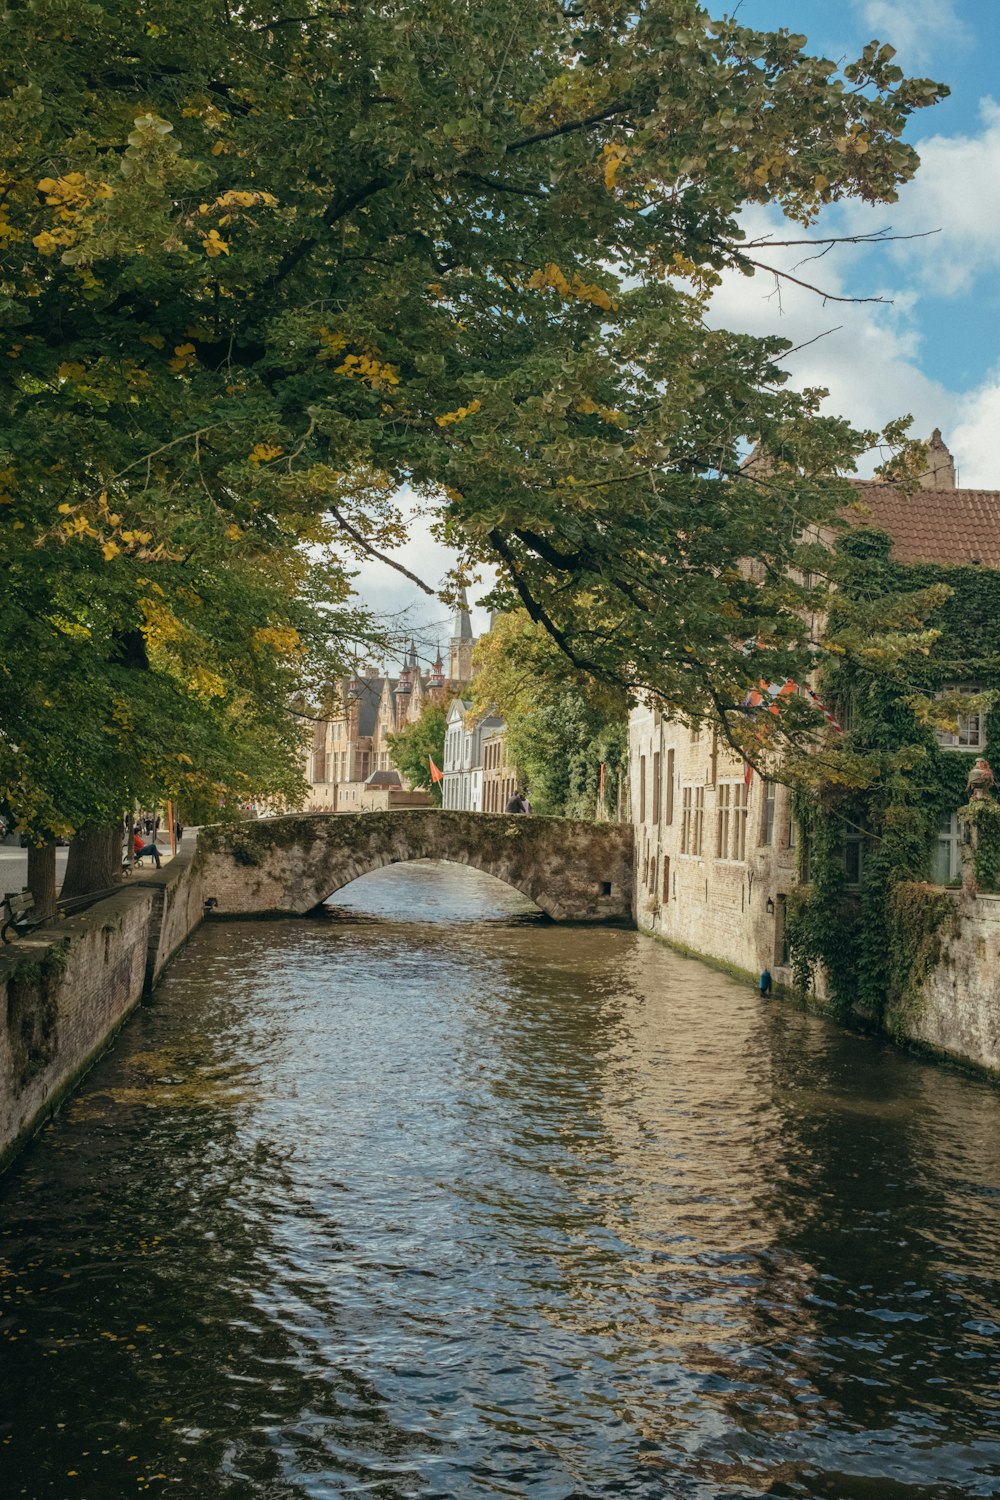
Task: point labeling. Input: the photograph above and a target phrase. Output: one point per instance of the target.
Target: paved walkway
(14, 866)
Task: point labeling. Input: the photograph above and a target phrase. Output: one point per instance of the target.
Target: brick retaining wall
(66, 988)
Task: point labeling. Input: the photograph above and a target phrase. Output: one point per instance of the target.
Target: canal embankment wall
(957, 1010)
(67, 987)
(954, 1012)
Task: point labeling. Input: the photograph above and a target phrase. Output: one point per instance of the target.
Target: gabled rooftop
(947, 526)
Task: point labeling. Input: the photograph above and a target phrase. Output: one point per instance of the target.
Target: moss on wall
(32, 1014)
(878, 939)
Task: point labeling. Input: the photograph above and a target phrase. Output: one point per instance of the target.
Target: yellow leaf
(184, 760)
(110, 550)
(262, 453)
(214, 244)
(218, 148)
(46, 243)
(614, 155)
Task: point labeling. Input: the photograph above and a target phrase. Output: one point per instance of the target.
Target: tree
(413, 748)
(567, 733)
(259, 269)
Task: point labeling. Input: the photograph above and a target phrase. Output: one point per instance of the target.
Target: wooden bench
(16, 914)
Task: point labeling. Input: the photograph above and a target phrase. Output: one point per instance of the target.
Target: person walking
(519, 802)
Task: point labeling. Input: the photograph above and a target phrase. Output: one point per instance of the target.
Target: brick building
(717, 848)
(352, 745)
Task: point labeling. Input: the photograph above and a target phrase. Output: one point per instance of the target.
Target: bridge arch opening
(431, 891)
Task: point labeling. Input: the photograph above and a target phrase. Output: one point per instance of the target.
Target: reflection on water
(464, 1208)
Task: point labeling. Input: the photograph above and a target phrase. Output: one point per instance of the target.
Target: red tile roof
(934, 526)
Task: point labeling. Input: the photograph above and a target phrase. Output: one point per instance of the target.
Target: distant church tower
(940, 471)
(462, 642)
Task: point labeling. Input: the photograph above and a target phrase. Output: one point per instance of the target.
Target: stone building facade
(499, 776)
(353, 746)
(716, 845)
(464, 774)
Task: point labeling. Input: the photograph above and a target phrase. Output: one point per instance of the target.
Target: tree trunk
(95, 860)
(42, 878)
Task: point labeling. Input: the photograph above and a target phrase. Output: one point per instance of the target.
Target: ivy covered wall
(867, 910)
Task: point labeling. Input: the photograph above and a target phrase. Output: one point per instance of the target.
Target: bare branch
(366, 546)
(875, 237)
(815, 340)
(807, 285)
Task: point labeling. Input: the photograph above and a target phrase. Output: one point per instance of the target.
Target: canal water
(432, 1199)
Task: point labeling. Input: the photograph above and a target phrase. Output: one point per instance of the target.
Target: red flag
(747, 773)
(436, 774)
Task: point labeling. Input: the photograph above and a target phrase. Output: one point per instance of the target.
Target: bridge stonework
(573, 871)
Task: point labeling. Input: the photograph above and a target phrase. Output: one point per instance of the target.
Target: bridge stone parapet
(286, 866)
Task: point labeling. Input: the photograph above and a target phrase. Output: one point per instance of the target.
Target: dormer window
(971, 731)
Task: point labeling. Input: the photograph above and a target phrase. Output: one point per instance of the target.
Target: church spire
(462, 641)
(462, 627)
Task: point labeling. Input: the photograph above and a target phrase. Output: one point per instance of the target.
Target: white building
(462, 788)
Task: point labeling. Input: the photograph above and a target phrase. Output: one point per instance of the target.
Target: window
(741, 808)
(666, 877)
(687, 798)
(843, 712)
(854, 856)
(969, 735)
(652, 874)
(669, 812)
(731, 827)
(722, 822)
(780, 934)
(767, 816)
(642, 789)
(656, 786)
(947, 866)
(698, 821)
(793, 832)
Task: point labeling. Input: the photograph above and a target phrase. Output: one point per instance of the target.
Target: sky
(931, 347)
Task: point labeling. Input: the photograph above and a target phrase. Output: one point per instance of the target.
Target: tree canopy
(567, 733)
(413, 748)
(261, 265)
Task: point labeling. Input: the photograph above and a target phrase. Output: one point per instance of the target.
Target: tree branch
(569, 127)
(366, 546)
(338, 208)
(807, 285)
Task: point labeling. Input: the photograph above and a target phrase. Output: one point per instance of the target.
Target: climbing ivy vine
(878, 937)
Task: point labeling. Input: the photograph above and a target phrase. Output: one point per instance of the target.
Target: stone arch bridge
(287, 866)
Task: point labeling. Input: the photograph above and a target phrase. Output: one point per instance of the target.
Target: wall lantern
(769, 908)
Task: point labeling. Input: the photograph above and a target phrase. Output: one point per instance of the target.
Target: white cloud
(956, 194)
(916, 28)
(975, 441)
(865, 354)
(406, 609)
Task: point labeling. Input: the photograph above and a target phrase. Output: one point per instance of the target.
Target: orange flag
(436, 774)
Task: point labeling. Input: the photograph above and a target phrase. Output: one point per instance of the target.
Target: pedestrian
(764, 984)
(148, 851)
(138, 844)
(178, 829)
(519, 802)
